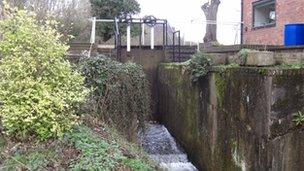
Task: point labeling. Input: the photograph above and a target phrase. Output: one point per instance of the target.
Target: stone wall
(149, 60)
(237, 119)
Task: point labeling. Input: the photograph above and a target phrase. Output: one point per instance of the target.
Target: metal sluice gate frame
(150, 21)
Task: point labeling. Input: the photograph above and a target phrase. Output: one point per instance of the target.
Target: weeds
(298, 118)
(199, 66)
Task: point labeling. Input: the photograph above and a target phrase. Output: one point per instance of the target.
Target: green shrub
(199, 65)
(39, 90)
(120, 94)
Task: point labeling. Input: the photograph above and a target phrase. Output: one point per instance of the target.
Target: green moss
(224, 68)
(173, 65)
(293, 66)
(220, 84)
(168, 66)
(263, 71)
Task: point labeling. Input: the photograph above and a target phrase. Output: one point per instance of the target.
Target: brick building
(264, 20)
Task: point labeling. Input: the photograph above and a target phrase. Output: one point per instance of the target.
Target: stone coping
(237, 48)
(265, 71)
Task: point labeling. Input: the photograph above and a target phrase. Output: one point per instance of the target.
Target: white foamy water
(162, 148)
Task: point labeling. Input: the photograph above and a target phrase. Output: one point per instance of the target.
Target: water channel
(163, 148)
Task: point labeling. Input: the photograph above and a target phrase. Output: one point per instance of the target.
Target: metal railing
(178, 46)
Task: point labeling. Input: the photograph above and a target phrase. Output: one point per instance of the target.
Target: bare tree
(210, 10)
(17, 3)
(1, 9)
(72, 15)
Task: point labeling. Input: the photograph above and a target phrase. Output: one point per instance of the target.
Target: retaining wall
(235, 118)
(149, 60)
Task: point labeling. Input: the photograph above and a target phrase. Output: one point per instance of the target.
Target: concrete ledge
(289, 58)
(260, 58)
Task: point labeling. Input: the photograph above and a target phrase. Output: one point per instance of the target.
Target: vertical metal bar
(166, 33)
(93, 31)
(152, 37)
(128, 37)
(164, 37)
(173, 47)
(179, 46)
(140, 36)
(143, 34)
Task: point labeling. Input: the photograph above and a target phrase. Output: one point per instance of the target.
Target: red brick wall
(287, 11)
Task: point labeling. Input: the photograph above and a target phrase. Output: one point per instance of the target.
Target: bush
(120, 94)
(199, 65)
(39, 91)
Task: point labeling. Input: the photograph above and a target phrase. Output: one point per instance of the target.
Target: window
(264, 13)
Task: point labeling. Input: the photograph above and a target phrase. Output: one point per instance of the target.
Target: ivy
(120, 92)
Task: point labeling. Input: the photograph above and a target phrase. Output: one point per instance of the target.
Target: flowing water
(162, 148)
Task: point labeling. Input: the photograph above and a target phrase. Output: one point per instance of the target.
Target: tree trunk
(210, 9)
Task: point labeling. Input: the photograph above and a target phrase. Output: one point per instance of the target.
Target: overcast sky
(187, 16)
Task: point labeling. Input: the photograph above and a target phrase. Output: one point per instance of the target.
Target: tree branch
(215, 2)
(205, 6)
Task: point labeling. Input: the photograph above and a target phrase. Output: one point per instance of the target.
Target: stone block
(219, 58)
(290, 58)
(260, 58)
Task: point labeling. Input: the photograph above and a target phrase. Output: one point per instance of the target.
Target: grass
(85, 148)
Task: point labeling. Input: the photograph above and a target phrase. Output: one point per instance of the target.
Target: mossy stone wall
(236, 119)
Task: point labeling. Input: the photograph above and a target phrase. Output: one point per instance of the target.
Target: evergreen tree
(109, 9)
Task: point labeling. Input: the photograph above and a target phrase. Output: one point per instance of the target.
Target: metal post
(143, 34)
(164, 36)
(93, 31)
(179, 46)
(140, 37)
(174, 47)
(152, 37)
(128, 37)
(166, 32)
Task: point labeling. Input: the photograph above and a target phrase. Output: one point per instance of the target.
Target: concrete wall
(149, 59)
(235, 119)
(287, 12)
